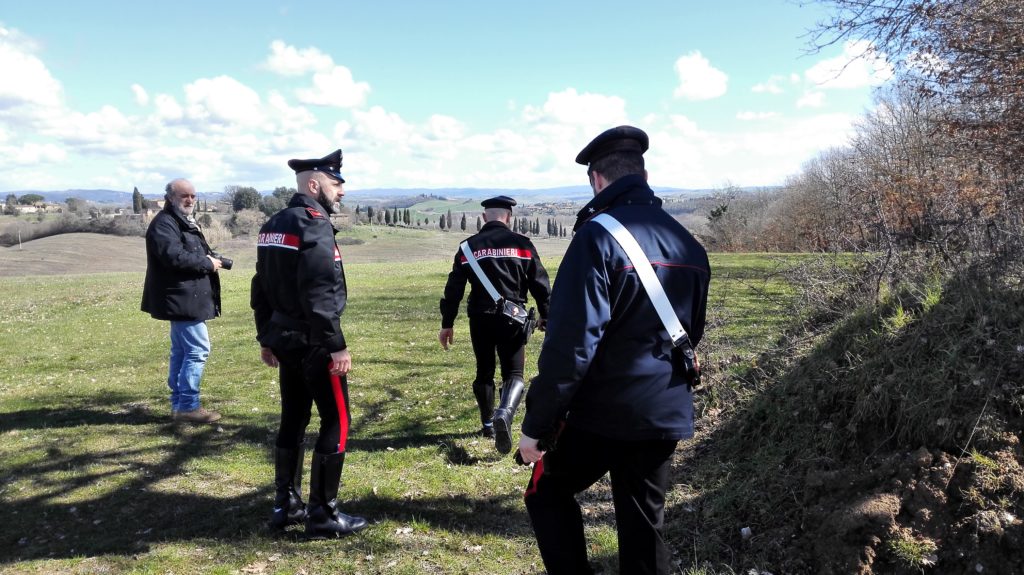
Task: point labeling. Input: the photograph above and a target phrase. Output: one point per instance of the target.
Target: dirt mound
(889, 443)
(78, 253)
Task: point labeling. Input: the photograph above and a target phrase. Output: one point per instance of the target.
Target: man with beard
(298, 295)
(182, 287)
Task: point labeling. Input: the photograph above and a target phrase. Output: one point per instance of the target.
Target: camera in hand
(225, 263)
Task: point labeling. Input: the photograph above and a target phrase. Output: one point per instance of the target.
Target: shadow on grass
(112, 409)
(110, 478)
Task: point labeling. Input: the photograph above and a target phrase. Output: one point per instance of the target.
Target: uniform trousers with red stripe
(639, 473)
(305, 380)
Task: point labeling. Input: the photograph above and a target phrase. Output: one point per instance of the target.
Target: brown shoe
(200, 415)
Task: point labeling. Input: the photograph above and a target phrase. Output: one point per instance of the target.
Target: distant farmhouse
(38, 208)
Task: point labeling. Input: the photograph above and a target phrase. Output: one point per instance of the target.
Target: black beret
(499, 202)
(618, 139)
(329, 164)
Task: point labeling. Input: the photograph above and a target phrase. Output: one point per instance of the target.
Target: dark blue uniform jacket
(605, 365)
(298, 292)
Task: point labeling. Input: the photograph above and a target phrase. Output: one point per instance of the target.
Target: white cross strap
(642, 265)
(479, 272)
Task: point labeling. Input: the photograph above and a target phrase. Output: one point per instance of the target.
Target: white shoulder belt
(676, 333)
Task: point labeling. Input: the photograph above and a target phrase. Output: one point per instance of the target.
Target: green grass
(913, 552)
(442, 206)
(95, 477)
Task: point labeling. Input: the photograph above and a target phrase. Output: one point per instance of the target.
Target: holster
(515, 313)
(684, 362)
(530, 325)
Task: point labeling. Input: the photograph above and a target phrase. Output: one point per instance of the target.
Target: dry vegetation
(883, 434)
(936, 168)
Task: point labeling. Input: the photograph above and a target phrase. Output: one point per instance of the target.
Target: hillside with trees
(883, 432)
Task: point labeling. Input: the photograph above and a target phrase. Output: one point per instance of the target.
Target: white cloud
(379, 126)
(747, 116)
(440, 127)
(698, 79)
(104, 132)
(156, 165)
(223, 100)
(860, 65)
(286, 114)
(685, 155)
(769, 86)
(588, 111)
(334, 88)
(168, 109)
(811, 100)
(291, 61)
(384, 132)
(25, 79)
(219, 131)
(332, 85)
(141, 96)
(766, 88)
(35, 154)
(685, 126)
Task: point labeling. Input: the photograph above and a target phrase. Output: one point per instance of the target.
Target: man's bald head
(181, 194)
(497, 214)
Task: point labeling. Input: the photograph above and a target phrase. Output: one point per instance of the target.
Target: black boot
(322, 516)
(511, 395)
(484, 393)
(288, 506)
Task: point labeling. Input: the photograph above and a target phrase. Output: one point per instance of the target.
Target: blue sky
(454, 93)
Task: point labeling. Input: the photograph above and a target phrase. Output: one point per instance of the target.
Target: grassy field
(96, 479)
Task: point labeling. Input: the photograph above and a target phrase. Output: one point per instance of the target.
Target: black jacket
(180, 282)
(509, 260)
(605, 365)
(298, 292)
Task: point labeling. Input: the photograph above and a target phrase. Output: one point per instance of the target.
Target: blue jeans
(190, 346)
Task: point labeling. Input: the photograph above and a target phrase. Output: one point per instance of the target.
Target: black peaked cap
(618, 139)
(499, 202)
(329, 164)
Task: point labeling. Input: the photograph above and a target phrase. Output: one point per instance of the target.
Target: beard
(328, 206)
(183, 211)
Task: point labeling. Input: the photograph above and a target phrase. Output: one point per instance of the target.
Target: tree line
(935, 167)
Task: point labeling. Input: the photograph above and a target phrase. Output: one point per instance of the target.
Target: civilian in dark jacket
(608, 387)
(182, 286)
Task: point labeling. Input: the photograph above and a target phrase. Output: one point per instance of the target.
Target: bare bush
(958, 127)
(215, 232)
(246, 222)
